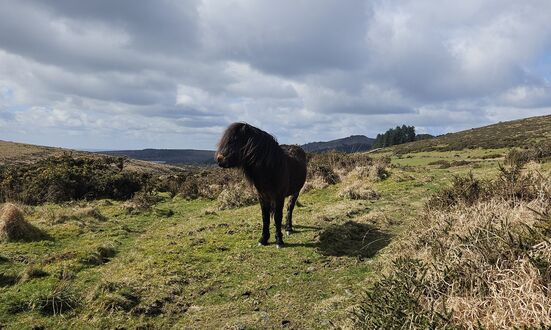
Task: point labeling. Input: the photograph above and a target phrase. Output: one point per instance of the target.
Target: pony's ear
(245, 128)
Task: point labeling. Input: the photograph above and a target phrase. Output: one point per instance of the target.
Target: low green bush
(65, 178)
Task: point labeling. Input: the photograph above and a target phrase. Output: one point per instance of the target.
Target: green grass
(201, 267)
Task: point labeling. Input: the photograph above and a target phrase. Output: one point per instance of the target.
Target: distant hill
(204, 157)
(13, 153)
(352, 143)
(168, 156)
(518, 133)
(528, 132)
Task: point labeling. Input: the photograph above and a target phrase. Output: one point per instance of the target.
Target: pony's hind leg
(278, 218)
(290, 207)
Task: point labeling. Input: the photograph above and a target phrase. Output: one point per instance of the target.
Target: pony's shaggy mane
(261, 150)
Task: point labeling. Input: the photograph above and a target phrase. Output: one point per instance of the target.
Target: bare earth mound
(14, 227)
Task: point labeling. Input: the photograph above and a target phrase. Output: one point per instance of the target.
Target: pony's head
(231, 145)
(245, 145)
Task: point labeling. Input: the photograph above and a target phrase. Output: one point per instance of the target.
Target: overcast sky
(173, 74)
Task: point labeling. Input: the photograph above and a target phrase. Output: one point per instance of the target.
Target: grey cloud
(155, 26)
(288, 37)
(462, 49)
(175, 74)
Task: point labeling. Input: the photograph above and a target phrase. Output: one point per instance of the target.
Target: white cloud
(173, 74)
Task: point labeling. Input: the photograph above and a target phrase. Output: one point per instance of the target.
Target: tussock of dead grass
(358, 191)
(14, 227)
(141, 202)
(378, 171)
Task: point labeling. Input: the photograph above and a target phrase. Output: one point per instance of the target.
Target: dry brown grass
(62, 215)
(489, 262)
(478, 257)
(378, 170)
(358, 190)
(237, 195)
(14, 227)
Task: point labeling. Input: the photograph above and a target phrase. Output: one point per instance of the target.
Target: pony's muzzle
(221, 160)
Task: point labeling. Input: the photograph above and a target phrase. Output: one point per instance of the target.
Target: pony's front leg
(278, 217)
(265, 206)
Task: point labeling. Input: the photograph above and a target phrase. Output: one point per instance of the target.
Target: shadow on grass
(350, 239)
(300, 228)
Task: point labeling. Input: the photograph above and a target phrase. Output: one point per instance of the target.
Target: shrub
(202, 183)
(338, 161)
(396, 301)
(237, 195)
(189, 189)
(65, 178)
(466, 190)
(324, 173)
(170, 184)
(523, 156)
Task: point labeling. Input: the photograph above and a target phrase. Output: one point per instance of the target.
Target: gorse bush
(199, 183)
(512, 184)
(466, 190)
(396, 301)
(324, 173)
(523, 156)
(65, 178)
(338, 161)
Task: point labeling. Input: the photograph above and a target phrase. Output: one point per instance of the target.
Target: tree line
(395, 136)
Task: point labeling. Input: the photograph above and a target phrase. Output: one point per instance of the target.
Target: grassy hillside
(189, 264)
(372, 238)
(20, 153)
(527, 132)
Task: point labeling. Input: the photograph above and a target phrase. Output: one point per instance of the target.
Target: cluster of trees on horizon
(398, 135)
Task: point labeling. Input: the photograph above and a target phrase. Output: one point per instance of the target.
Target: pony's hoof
(288, 232)
(279, 246)
(262, 243)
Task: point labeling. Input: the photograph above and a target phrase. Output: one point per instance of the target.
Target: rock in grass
(14, 227)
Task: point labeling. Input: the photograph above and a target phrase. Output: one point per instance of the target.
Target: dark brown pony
(275, 171)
